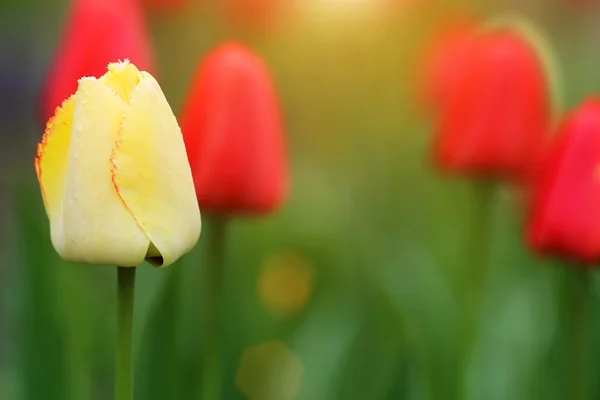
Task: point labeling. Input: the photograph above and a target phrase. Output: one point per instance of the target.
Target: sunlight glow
(344, 9)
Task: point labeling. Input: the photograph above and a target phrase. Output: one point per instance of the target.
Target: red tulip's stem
(477, 245)
(124, 356)
(478, 240)
(578, 345)
(211, 372)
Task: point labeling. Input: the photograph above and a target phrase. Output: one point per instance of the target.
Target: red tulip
(442, 61)
(233, 133)
(97, 32)
(565, 217)
(495, 120)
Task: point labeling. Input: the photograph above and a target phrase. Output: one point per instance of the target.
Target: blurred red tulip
(233, 132)
(565, 217)
(97, 32)
(496, 119)
(442, 61)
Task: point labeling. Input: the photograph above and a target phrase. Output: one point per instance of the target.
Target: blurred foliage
(381, 234)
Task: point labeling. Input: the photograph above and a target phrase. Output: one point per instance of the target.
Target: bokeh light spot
(354, 10)
(285, 283)
(269, 371)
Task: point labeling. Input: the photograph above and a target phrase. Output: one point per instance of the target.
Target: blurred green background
(359, 288)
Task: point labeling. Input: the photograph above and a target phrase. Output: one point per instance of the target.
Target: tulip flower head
(234, 135)
(97, 33)
(497, 118)
(565, 218)
(114, 176)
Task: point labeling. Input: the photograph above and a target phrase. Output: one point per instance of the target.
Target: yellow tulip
(114, 174)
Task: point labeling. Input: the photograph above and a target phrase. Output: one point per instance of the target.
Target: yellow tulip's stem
(578, 343)
(213, 280)
(124, 356)
(477, 245)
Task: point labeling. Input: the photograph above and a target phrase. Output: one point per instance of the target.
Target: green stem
(213, 284)
(124, 356)
(477, 247)
(578, 345)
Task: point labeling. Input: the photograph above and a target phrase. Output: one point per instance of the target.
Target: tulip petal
(52, 158)
(122, 77)
(153, 176)
(98, 228)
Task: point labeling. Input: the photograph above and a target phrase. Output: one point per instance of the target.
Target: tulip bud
(97, 32)
(496, 118)
(114, 176)
(565, 218)
(233, 133)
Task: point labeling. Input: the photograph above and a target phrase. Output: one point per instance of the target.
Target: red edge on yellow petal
(113, 175)
(62, 115)
(40, 151)
(38, 168)
(122, 77)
